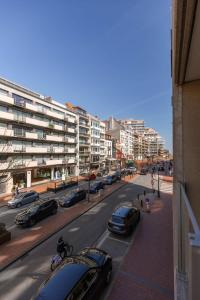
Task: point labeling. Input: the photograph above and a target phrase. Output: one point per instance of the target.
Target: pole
(89, 189)
(158, 184)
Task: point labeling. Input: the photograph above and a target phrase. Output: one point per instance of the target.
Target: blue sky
(110, 56)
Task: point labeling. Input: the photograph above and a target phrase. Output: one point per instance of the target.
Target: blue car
(72, 198)
(110, 179)
(96, 186)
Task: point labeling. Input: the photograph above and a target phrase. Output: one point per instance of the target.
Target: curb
(57, 230)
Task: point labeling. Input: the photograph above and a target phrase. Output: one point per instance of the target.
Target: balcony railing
(188, 247)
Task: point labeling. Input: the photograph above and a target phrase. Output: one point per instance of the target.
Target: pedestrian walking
(141, 203)
(148, 204)
(17, 190)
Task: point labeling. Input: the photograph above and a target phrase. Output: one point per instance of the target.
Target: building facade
(95, 142)
(186, 148)
(38, 138)
(84, 134)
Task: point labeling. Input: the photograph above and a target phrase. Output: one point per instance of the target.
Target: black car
(23, 198)
(96, 186)
(79, 277)
(110, 179)
(72, 198)
(123, 220)
(143, 171)
(36, 212)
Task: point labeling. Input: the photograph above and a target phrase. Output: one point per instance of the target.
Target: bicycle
(58, 258)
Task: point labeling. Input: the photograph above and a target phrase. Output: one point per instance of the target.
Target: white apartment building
(95, 142)
(102, 144)
(38, 138)
(155, 142)
(84, 137)
(136, 126)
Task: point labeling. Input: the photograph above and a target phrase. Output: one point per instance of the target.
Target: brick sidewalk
(147, 270)
(17, 247)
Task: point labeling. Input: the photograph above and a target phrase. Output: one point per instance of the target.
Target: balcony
(31, 135)
(70, 140)
(58, 127)
(70, 150)
(58, 150)
(188, 241)
(82, 124)
(36, 149)
(54, 115)
(70, 119)
(84, 144)
(86, 134)
(6, 115)
(71, 161)
(6, 132)
(71, 130)
(54, 162)
(6, 148)
(54, 138)
(84, 153)
(36, 122)
(6, 99)
(31, 107)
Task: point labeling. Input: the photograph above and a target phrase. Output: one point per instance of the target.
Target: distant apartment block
(84, 137)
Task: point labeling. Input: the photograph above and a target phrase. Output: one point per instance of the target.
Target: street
(22, 279)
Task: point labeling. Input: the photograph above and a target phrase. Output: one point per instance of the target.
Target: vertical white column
(28, 178)
(52, 173)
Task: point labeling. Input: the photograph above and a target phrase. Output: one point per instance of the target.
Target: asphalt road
(21, 279)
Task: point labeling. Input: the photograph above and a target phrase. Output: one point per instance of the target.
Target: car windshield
(109, 177)
(33, 209)
(117, 219)
(19, 196)
(69, 196)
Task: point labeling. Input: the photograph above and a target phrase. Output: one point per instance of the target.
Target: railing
(195, 237)
(188, 243)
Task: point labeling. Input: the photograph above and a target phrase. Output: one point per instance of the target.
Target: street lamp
(158, 193)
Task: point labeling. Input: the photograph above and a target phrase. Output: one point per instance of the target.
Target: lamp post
(158, 184)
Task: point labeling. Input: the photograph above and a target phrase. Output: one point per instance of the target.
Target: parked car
(36, 212)
(23, 198)
(72, 198)
(96, 186)
(118, 174)
(110, 179)
(132, 169)
(143, 171)
(123, 220)
(80, 277)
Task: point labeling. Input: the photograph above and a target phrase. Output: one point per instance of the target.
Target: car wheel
(54, 211)
(18, 205)
(108, 277)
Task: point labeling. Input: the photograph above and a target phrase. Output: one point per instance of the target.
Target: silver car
(23, 198)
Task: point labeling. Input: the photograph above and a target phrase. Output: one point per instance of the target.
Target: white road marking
(117, 240)
(106, 235)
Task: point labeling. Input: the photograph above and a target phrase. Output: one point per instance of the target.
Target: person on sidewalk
(147, 201)
(16, 190)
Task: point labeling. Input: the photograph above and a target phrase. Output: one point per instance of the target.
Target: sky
(111, 57)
